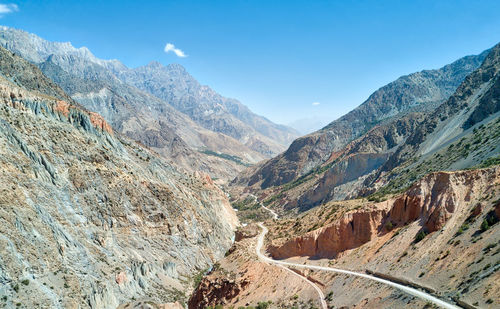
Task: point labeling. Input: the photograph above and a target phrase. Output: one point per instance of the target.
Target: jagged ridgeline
(163, 107)
(446, 119)
(87, 216)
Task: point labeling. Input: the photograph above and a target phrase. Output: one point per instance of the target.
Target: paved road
(406, 289)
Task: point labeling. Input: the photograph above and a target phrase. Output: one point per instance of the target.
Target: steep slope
(173, 84)
(462, 132)
(420, 91)
(139, 115)
(88, 217)
(441, 236)
(147, 117)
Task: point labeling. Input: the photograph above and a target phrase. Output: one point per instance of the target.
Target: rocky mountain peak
(154, 65)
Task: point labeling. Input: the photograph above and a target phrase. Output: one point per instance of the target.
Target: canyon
(141, 188)
(432, 237)
(414, 199)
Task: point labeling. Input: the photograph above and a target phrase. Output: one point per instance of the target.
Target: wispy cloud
(315, 103)
(171, 48)
(8, 8)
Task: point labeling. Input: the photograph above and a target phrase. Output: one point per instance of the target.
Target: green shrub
(462, 229)
(485, 226)
(198, 277)
(262, 305)
(389, 226)
(420, 236)
(25, 282)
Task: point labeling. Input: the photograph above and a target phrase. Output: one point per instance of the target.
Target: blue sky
(277, 57)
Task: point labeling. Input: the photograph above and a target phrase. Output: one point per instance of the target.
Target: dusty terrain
(455, 258)
(89, 218)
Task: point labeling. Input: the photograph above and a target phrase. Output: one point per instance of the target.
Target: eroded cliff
(90, 218)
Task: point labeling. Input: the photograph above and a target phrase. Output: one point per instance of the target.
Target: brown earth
(456, 257)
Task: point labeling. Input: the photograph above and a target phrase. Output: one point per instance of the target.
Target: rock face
(420, 91)
(432, 202)
(392, 155)
(221, 141)
(211, 293)
(456, 258)
(209, 109)
(88, 217)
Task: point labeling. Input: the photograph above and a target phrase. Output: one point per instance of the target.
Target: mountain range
(350, 156)
(163, 107)
(404, 188)
(140, 188)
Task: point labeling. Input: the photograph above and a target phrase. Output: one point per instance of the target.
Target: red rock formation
(352, 230)
(432, 200)
(121, 278)
(99, 122)
(218, 291)
(62, 107)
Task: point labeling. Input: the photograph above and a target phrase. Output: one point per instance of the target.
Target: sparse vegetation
(308, 176)
(490, 162)
(403, 177)
(389, 226)
(263, 305)
(485, 226)
(198, 277)
(225, 156)
(488, 221)
(420, 236)
(462, 229)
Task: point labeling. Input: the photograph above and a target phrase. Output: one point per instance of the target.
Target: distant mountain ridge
(175, 85)
(417, 92)
(215, 124)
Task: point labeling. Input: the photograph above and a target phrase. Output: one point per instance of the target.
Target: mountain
(175, 85)
(89, 217)
(462, 132)
(440, 236)
(394, 152)
(222, 149)
(413, 200)
(417, 92)
(146, 118)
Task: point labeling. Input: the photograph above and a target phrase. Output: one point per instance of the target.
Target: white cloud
(171, 48)
(8, 8)
(315, 103)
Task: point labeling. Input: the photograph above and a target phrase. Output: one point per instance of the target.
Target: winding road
(285, 265)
